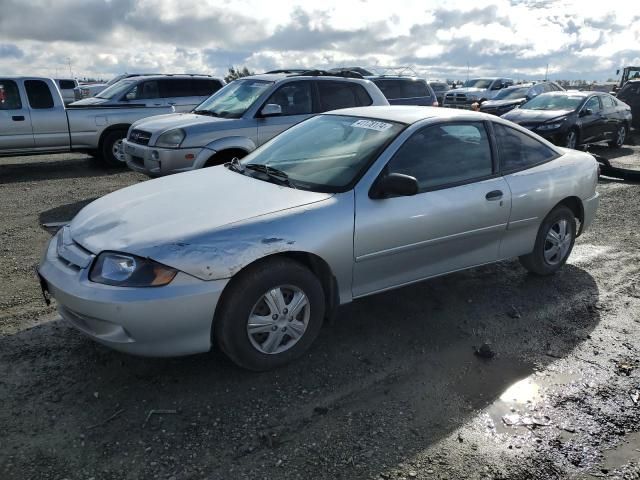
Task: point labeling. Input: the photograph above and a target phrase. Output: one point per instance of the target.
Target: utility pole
(546, 74)
(69, 63)
(467, 71)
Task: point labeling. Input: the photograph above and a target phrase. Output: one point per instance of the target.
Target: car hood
(175, 210)
(521, 115)
(502, 103)
(85, 102)
(157, 124)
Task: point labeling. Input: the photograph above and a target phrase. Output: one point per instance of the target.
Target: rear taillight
(435, 104)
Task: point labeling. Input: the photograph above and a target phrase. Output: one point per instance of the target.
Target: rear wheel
(619, 137)
(111, 151)
(270, 315)
(554, 242)
(571, 139)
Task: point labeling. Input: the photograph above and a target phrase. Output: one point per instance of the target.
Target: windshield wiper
(271, 172)
(205, 112)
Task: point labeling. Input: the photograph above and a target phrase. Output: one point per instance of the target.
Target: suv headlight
(171, 139)
(124, 270)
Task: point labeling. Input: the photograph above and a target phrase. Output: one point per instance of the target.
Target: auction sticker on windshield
(372, 125)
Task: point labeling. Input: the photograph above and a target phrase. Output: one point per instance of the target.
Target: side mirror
(586, 112)
(498, 86)
(394, 185)
(270, 110)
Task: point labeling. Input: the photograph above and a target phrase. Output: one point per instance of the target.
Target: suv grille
(140, 137)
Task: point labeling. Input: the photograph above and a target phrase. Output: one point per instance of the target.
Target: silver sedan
(253, 255)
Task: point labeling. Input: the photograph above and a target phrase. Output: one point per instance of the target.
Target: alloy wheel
(620, 135)
(557, 242)
(571, 139)
(279, 319)
(118, 150)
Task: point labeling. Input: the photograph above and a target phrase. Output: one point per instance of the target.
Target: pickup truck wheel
(554, 243)
(270, 314)
(111, 149)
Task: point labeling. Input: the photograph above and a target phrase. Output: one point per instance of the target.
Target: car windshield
(478, 83)
(116, 90)
(511, 93)
(234, 99)
(327, 153)
(553, 102)
(115, 80)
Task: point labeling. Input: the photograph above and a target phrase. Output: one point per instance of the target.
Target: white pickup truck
(34, 120)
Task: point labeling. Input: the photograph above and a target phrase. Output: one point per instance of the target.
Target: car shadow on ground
(63, 213)
(394, 374)
(53, 169)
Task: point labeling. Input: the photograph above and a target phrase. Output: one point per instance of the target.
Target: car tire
(249, 295)
(571, 139)
(552, 238)
(620, 137)
(109, 145)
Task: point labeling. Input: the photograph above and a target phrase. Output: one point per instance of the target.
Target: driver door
(455, 221)
(296, 104)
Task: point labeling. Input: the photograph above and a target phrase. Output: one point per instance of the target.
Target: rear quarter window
(518, 151)
(66, 84)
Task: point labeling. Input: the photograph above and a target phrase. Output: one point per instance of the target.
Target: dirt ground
(391, 390)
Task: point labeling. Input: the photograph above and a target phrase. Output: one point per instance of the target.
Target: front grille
(457, 100)
(140, 137)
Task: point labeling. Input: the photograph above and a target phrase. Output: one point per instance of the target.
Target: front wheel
(554, 243)
(270, 315)
(620, 136)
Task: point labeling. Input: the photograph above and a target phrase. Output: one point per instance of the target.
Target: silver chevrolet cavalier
(253, 255)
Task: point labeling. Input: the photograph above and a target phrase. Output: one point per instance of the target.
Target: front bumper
(155, 161)
(164, 321)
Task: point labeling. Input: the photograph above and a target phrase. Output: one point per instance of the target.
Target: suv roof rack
(325, 73)
(288, 70)
(394, 71)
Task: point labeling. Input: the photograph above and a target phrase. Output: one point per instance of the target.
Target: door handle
(494, 195)
(18, 118)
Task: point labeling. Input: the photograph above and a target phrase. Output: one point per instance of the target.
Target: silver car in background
(182, 92)
(253, 255)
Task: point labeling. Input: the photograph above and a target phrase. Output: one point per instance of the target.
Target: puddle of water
(519, 402)
(625, 452)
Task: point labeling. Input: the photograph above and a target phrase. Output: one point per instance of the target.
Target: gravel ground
(391, 390)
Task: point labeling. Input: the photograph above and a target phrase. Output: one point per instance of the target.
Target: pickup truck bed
(34, 120)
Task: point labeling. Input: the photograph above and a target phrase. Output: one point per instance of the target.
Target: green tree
(235, 73)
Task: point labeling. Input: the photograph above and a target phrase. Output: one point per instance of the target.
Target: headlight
(171, 139)
(123, 270)
(550, 126)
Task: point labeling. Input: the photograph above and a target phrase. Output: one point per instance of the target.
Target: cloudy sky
(578, 39)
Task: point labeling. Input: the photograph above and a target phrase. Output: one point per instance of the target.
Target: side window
(294, 98)
(391, 89)
(446, 154)
(38, 94)
(334, 95)
(9, 95)
(608, 102)
(415, 88)
(66, 84)
(146, 90)
(175, 87)
(593, 104)
(518, 150)
(204, 88)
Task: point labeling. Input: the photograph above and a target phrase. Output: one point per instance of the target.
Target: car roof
(571, 93)
(393, 77)
(168, 75)
(409, 114)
